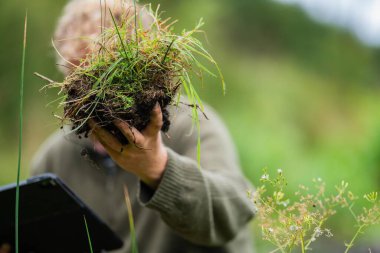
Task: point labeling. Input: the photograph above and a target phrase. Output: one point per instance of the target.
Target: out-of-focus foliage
(267, 28)
(300, 95)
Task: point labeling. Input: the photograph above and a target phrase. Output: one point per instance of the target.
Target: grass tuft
(131, 69)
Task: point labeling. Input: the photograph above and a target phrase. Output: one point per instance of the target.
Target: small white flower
(265, 177)
(279, 171)
(318, 232)
(328, 233)
(285, 203)
(270, 230)
(293, 228)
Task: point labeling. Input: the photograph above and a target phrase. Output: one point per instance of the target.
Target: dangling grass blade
(197, 123)
(134, 248)
(60, 55)
(88, 234)
(17, 207)
(204, 53)
(195, 101)
(197, 98)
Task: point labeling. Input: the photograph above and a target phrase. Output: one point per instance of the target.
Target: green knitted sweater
(192, 211)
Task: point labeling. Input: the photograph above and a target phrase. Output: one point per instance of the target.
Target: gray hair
(80, 25)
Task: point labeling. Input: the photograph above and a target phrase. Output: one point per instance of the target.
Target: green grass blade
(204, 53)
(109, 70)
(195, 101)
(17, 205)
(167, 51)
(88, 234)
(134, 247)
(118, 34)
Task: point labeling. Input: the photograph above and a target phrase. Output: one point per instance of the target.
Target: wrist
(153, 176)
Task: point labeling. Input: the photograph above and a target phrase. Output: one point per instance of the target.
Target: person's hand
(145, 155)
(5, 248)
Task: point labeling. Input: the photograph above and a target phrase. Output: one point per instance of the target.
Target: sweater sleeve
(208, 205)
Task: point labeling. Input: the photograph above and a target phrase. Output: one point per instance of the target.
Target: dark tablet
(52, 219)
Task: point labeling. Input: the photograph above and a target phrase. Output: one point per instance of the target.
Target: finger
(105, 137)
(155, 123)
(106, 145)
(115, 155)
(132, 134)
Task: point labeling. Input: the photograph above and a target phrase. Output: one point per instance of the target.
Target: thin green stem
(167, 51)
(276, 243)
(351, 244)
(352, 211)
(302, 244)
(314, 233)
(291, 244)
(17, 207)
(118, 33)
(88, 234)
(278, 249)
(134, 247)
(279, 245)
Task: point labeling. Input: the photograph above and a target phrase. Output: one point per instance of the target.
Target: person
(177, 206)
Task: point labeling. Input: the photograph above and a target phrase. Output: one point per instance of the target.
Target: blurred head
(80, 25)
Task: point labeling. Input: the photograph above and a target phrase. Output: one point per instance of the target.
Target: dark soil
(110, 108)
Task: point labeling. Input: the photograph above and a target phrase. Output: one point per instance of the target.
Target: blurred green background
(301, 96)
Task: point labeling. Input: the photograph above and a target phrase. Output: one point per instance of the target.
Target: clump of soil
(120, 95)
(131, 71)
